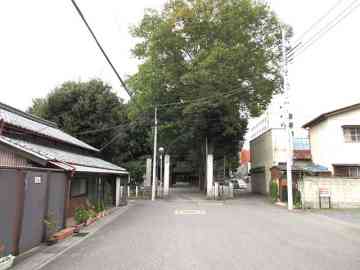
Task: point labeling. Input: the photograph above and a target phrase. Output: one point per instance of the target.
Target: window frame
(345, 171)
(351, 134)
(83, 194)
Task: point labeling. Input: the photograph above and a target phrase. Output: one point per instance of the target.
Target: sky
(44, 43)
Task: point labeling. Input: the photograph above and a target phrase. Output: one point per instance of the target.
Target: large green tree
(220, 59)
(90, 111)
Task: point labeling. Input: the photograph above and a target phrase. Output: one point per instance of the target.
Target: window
(347, 171)
(353, 172)
(78, 187)
(352, 134)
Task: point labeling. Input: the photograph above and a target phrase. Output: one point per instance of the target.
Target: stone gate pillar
(166, 175)
(147, 182)
(209, 175)
(118, 195)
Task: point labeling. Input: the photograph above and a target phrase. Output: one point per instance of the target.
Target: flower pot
(90, 221)
(6, 262)
(99, 215)
(78, 227)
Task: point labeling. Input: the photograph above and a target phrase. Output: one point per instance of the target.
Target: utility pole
(288, 119)
(153, 193)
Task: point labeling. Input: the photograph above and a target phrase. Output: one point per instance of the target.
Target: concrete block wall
(345, 192)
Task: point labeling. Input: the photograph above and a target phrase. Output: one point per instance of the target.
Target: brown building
(44, 171)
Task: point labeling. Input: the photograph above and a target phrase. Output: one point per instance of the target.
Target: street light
(161, 151)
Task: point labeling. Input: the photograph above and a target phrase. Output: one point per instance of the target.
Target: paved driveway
(187, 232)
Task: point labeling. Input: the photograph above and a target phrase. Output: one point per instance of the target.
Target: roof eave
(35, 157)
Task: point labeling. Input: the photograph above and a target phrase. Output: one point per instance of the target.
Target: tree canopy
(92, 112)
(217, 61)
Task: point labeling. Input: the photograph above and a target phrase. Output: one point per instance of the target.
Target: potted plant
(81, 216)
(51, 228)
(92, 217)
(7, 261)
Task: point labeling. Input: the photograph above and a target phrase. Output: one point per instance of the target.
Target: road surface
(187, 232)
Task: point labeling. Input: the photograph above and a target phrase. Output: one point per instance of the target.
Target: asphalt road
(188, 233)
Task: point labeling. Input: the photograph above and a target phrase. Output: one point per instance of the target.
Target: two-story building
(335, 140)
(269, 149)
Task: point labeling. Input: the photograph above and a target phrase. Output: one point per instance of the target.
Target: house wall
(8, 204)
(261, 155)
(56, 197)
(327, 141)
(279, 145)
(345, 192)
(23, 210)
(9, 159)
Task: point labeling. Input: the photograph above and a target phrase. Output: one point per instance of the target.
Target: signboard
(37, 180)
(324, 191)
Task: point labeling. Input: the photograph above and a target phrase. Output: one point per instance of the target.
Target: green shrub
(81, 215)
(274, 191)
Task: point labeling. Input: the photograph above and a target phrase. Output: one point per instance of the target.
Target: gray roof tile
(32, 123)
(55, 154)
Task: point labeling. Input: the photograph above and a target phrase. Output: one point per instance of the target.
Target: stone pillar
(118, 196)
(216, 190)
(136, 191)
(128, 190)
(209, 175)
(121, 193)
(166, 175)
(231, 190)
(147, 182)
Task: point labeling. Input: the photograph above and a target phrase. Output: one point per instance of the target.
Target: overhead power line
(313, 25)
(101, 48)
(198, 100)
(324, 30)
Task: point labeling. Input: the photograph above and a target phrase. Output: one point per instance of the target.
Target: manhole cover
(190, 212)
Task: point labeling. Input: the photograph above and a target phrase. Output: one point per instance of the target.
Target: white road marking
(190, 212)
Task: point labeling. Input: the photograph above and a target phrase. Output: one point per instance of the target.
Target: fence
(342, 192)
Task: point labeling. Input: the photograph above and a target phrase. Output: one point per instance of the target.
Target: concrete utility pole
(153, 193)
(288, 124)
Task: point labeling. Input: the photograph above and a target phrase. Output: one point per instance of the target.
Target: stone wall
(344, 192)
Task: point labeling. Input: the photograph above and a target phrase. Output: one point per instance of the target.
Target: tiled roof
(53, 154)
(324, 116)
(35, 124)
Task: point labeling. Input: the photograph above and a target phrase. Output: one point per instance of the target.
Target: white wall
(327, 141)
(261, 157)
(344, 192)
(279, 145)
